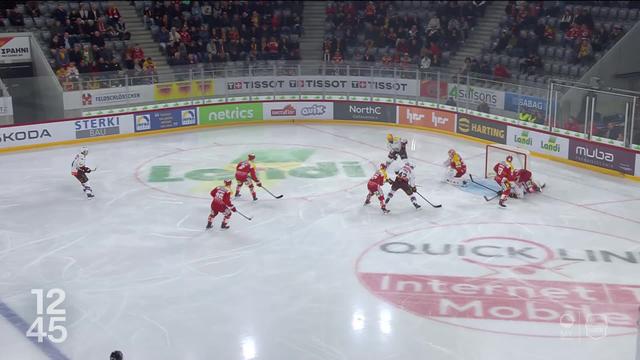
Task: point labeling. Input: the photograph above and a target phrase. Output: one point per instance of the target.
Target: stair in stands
(479, 36)
(313, 24)
(140, 35)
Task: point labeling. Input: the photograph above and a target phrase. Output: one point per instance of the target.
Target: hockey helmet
(408, 164)
(451, 153)
(390, 137)
(227, 182)
(116, 355)
(84, 150)
(252, 156)
(509, 158)
(383, 165)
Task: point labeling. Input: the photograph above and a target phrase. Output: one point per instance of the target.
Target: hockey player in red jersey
(246, 174)
(503, 177)
(524, 183)
(375, 186)
(80, 170)
(456, 168)
(405, 180)
(221, 204)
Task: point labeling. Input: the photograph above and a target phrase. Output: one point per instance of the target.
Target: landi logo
(279, 165)
(505, 278)
(523, 138)
(551, 144)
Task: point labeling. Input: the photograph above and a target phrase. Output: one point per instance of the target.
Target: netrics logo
(24, 135)
(595, 154)
(230, 114)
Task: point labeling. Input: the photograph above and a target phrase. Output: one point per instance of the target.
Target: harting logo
(464, 125)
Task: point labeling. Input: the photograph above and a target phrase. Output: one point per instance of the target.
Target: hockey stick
(243, 215)
(493, 197)
(270, 193)
(484, 186)
(430, 203)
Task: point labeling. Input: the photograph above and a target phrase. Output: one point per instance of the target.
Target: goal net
(496, 153)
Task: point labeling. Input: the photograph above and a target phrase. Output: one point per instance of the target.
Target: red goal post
(496, 153)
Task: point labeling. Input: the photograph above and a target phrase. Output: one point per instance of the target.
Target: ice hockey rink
(314, 275)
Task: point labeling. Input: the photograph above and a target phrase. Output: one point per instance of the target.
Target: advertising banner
(166, 119)
(270, 84)
(297, 110)
(637, 164)
(430, 89)
(524, 103)
(538, 142)
(85, 99)
(482, 129)
(183, 90)
(36, 134)
(603, 156)
(434, 119)
(216, 114)
(476, 95)
(364, 111)
(6, 106)
(103, 126)
(15, 49)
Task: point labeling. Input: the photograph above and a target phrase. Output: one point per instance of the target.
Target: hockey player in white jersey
(406, 181)
(397, 147)
(80, 170)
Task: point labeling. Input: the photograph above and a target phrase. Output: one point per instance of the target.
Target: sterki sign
(418, 116)
(505, 280)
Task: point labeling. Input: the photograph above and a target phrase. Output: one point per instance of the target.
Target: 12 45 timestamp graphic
(50, 320)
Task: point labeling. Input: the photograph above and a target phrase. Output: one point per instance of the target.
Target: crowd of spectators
(191, 32)
(386, 32)
(79, 49)
(529, 25)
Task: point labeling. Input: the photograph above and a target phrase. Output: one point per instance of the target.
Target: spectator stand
(404, 34)
(203, 33)
(537, 40)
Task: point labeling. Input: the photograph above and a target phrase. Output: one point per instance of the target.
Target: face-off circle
(299, 170)
(556, 281)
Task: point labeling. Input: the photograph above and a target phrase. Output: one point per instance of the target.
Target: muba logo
(595, 154)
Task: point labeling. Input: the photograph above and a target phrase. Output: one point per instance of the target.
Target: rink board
(604, 158)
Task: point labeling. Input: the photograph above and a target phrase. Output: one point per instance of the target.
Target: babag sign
(297, 84)
(538, 142)
(15, 49)
(482, 129)
(297, 110)
(166, 119)
(476, 95)
(608, 157)
(524, 103)
(434, 119)
(106, 97)
(216, 114)
(365, 111)
(103, 126)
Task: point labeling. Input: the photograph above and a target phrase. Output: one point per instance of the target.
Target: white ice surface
(141, 274)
